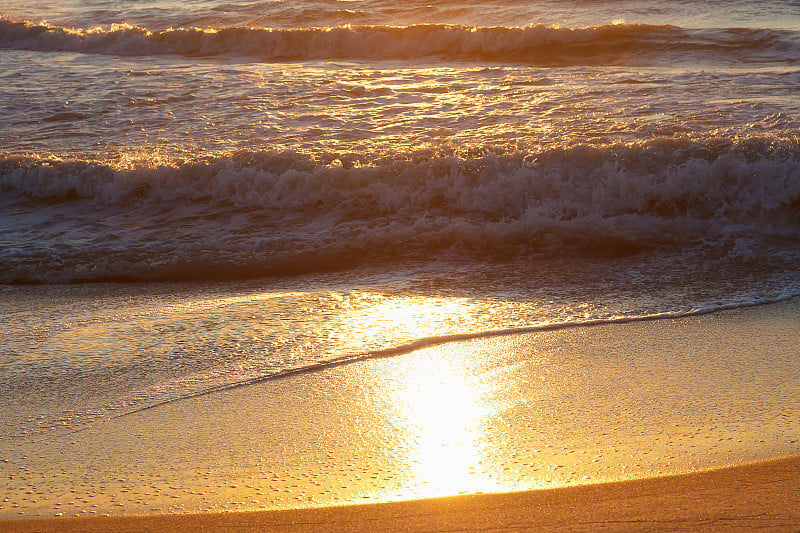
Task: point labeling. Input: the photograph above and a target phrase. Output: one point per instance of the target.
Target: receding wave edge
(429, 342)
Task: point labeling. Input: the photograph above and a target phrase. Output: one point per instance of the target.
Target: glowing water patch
(441, 404)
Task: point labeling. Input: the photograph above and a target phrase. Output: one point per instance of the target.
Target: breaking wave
(534, 44)
(256, 214)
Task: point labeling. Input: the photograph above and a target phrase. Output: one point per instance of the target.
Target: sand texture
(501, 415)
(763, 496)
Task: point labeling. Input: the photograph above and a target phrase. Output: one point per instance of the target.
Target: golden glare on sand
(500, 414)
(443, 408)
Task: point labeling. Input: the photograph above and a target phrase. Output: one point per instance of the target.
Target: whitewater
(199, 197)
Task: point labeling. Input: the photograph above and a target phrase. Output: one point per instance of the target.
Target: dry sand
(763, 495)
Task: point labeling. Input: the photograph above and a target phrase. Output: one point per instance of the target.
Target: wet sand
(763, 495)
(547, 422)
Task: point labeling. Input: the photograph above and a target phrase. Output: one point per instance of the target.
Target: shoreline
(763, 494)
(580, 408)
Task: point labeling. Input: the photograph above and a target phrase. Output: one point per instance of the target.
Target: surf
(253, 214)
(535, 44)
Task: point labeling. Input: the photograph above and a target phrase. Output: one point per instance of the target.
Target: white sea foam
(265, 213)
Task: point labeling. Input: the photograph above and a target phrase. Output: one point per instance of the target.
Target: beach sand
(627, 426)
(763, 495)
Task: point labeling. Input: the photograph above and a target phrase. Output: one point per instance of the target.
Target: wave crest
(256, 214)
(534, 44)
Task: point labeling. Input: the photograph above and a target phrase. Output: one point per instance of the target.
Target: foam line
(429, 342)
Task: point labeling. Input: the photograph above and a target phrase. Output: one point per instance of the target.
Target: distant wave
(535, 44)
(258, 214)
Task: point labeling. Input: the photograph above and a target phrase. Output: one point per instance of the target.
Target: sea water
(200, 195)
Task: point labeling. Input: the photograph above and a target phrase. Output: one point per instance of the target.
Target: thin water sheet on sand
(542, 410)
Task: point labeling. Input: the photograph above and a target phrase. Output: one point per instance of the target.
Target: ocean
(203, 195)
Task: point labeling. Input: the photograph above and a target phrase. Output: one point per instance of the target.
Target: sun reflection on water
(440, 402)
(413, 317)
(443, 408)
